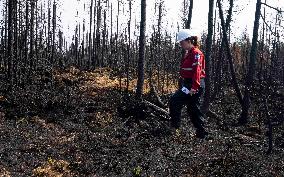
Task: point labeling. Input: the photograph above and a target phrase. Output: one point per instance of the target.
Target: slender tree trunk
(79, 46)
(217, 79)
(104, 32)
(98, 33)
(53, 32)
(49, 31)
(36, 30)
(188, 22)
(111, 38)
(76, 53)
(26, 48)
(6, 38)
(2, 48)
(230, 57)
(251, 70)
(83, 45)
(31, 56)
(206, 102)
(15, 21)
(140, 81)
(94, 50)
(90, 35)
(128, 47)
(10, 41)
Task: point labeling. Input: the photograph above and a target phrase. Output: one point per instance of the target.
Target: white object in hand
(185, 90)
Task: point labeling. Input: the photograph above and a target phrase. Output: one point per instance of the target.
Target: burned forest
(92, 98)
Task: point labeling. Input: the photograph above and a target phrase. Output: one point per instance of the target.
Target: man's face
(185, 44)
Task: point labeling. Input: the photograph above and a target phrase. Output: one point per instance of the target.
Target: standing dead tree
(220, 55)
(206, 102)
(230, 57)
(188, 22)
(142, 41)
(251, 70)
(10, 56)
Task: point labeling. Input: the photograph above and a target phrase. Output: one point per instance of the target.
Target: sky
(243, 15)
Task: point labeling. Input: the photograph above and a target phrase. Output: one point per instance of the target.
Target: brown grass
(102, 79)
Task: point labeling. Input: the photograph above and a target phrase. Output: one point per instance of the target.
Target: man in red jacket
(192, 73)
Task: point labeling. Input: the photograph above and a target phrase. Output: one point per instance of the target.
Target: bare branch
(269, 27)
(278, 10)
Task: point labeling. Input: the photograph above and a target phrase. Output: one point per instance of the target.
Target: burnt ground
(81, 128)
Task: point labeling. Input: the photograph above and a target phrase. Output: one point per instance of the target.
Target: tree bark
(53, 31)
(10, 41)
(90, 35)
(251, 70)
(188, 22)
(230, 57)
(206, 102)
(98, 33)
(217, 79)
(140, 81)
(94, 50)
(31, 56)
(15, 46)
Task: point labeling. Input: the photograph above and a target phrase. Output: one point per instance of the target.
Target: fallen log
(158, 109)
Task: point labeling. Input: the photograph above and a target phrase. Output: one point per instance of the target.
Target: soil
(84, 126)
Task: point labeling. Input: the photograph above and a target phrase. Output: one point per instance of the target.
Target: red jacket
(193, 66)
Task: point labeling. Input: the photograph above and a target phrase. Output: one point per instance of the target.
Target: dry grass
(53, 168)
(102, 79)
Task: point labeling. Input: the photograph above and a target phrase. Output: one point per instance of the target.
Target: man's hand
(192, 92)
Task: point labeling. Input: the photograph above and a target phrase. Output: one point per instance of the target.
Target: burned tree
(142, 41)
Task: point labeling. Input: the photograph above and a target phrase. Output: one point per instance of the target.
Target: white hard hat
(186, 33)
(183, 34)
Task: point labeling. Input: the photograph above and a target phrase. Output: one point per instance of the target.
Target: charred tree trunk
(206, 102)
(31, 56)
(5, 45)
(48, 32)
(98, 34)
(217, 78)
(53, 32)
(230, 57)
(142, 41)
(26, 48)
(104, 32)
(10, 41)
(90, 35)
(251, 70)
(128, 47)
(94, 50)
(188, 22)
(15, 44)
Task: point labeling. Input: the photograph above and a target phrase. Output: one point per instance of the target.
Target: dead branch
(154, 93)
(269, 27)
(278, 10)
(158, 109)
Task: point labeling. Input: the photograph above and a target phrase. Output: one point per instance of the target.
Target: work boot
(201, 133)
(177, 132)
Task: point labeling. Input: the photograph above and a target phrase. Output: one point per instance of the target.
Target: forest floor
(76, 130)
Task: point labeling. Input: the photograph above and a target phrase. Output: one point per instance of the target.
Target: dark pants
(179, 99)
